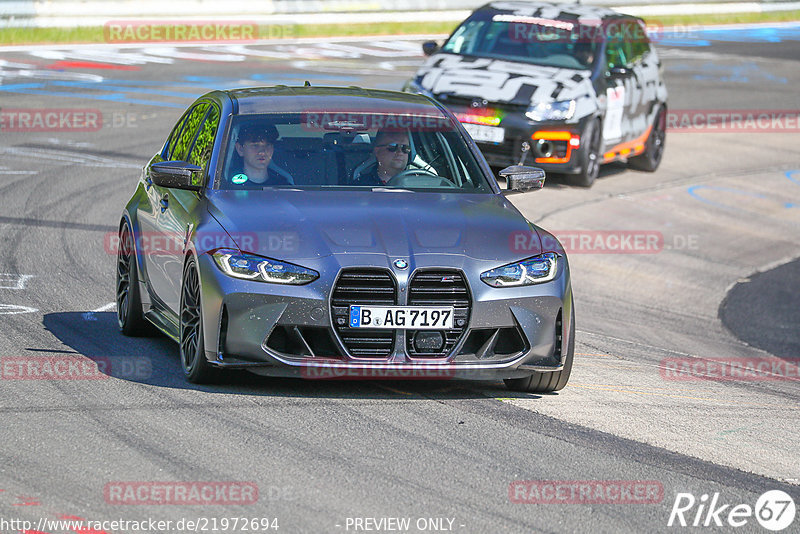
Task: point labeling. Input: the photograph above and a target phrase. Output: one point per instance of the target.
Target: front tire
(590, 165)
(650, 159)
(548, 382)
(196, 367)
(129, 303)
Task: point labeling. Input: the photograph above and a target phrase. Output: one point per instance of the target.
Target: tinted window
(204, 143)
(549, 42)
(640, 44)
(176, 131)
(179, 146)
(627, 43)
(618, 47)
(357, 151)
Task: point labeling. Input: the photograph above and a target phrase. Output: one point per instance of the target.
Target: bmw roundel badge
(401, 264)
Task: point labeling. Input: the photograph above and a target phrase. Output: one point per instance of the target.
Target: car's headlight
(551, 111)
(541, 268)
(251, 267)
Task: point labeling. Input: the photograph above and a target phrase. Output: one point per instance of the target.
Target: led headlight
(541, 268)
(251, 267)
(560, 110)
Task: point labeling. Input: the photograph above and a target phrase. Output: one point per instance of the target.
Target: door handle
(164, 203)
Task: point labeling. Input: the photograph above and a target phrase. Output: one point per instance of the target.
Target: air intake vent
(363, 287)
(439, 288)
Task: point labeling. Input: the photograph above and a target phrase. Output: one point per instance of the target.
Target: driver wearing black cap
(255, 145)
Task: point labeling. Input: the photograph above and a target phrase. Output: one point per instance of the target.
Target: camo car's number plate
(401, 317)
(486, 134)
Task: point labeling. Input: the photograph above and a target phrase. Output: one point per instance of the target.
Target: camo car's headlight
(251, 267)
(541, 268)
(560, 110)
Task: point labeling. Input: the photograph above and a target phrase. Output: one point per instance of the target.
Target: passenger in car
(255, 169)
(391, 156)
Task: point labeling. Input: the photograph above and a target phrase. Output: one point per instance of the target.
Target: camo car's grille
(438, 288)
(363, 287)
(504, 154)
(457, 103)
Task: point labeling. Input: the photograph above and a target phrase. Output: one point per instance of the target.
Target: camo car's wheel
(196, 368)
(590, 158)
(129, 304)
(654, 148)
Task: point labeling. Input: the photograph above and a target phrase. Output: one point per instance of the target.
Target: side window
(465, 38)
(640, 44)
(179, 146)
(615, 48)
(204, 144)
(176, 131)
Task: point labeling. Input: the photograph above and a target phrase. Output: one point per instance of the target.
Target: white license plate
(488, 134)
(401, 317)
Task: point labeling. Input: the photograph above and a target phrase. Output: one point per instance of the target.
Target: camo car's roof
(547, 10)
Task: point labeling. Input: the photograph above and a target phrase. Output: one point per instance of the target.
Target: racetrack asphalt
(725, 203)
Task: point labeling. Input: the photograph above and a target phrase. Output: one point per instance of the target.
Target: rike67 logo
(774, 510)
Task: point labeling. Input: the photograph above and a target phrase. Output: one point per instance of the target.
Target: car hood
(493, 80)
(296, 225)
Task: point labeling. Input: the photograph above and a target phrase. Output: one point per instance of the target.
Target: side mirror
(617, 71)
(520, 178)
(429, 48)
(177, 175)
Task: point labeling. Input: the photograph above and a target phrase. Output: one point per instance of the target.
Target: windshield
(553, 43)
(348, 150)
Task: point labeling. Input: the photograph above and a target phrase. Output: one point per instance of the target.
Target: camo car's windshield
(348, 150)
(553, 43)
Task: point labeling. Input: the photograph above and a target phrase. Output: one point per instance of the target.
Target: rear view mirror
(429, 48)
(520, 178)
(177, 175)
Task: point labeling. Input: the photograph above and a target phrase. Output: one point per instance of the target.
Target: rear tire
(129, 304)
(590, 165)
(196, 368)
(548, 382)
(650, 159)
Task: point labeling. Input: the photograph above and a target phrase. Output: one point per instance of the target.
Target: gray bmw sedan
(327, 232)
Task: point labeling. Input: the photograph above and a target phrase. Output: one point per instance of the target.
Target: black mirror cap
(429, 48)
(521, 178)
(618, 71)
(177, 175)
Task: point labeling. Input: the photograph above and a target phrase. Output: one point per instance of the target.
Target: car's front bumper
(289, 330)
(554, 146)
